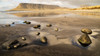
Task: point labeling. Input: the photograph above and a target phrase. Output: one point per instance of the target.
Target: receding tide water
(7, 17)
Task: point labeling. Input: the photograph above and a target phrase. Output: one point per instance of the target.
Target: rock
(8, 47)
(86, 30)
(56, 29)
(49, 40)
(49, 25)
(25, 22)
(84, 40)
(13, 22)
(7, 25)
(28, 22)
(38, 33)
(15, 43)
(23, 41)
(43, 40)
(9, 44)
(37, 26)
(23, 38)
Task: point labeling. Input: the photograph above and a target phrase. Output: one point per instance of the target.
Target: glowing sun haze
(9, 4)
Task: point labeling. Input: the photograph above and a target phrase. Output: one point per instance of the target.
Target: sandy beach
(69, 29)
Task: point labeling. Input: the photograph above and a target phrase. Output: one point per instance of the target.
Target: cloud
(8, 4)
(83, 2)
(68, 3)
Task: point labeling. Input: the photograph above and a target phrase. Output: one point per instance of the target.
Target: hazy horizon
(9, 4)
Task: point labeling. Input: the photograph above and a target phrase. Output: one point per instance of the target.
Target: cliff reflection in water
(36, 14)
(44, 14)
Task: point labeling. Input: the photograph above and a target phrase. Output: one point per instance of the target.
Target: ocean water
(7, 17)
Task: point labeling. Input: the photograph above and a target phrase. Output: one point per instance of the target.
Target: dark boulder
(85, 40)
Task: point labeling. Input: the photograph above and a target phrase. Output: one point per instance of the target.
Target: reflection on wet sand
(68, 30)
(36, 14)
(47, 13)
(89, 14)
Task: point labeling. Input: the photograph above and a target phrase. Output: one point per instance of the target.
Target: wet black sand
(69, 28)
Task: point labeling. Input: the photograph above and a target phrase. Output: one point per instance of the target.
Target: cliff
(31, 6)
(88, 8)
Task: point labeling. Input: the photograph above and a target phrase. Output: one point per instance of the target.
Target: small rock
(84, 40)
(9, 44)
(37, 26)
(23, 38)
(37, 33)
(86, 30)
(28, 22)
(49, 40)
(8, 47)
(16, 45)
(13, 22)
(56, 29)
(7, 25)
(43, 40)
(25, 22)
(49, 25)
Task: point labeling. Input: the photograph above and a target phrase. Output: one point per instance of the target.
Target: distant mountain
(31, 6)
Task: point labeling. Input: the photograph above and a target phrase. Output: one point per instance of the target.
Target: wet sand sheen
(69, 29)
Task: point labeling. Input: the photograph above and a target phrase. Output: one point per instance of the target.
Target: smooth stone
(25, 22)
(13, 22)
(38, 33)
(43, 40)
(28, 22)
(86, 30)
(85, 40)
(15, 43)
(7, 25)
(49, 25)
(9, 44)
(37, 26)
(56, 29)
(49, 40)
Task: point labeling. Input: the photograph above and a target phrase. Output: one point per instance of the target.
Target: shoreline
(69, 28)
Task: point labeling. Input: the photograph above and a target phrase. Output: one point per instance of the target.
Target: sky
(9, 4)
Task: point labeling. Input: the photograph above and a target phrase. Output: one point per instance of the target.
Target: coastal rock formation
(85, 40)
(36, 6)
(31, 6)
